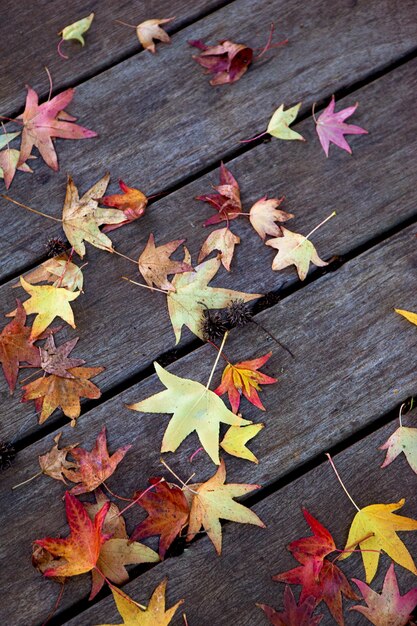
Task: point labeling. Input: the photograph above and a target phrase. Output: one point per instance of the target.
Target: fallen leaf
(155, 614)
(55, 461)
(409, 315)
(227, 199)
(43, 122)
(193, 296)
(51, 392)
(77, 29)
(235, 440)
(16, 346)
(95, 467)
(264, 214)
(132, 202)
(223, 240)
(81, 217)
(194, 408)
(8, 165)
(388, 608)
(293, 614)
(213, 501)
(114, 524)
(48, 302)
(155, 264)
(244, 378)
(55, 360)
(228, 61)
(168, 511)
(59, 271)
(404, 439)
(378, 525)
(80, 551)
(149, 30)
(331, 128)
(6, 138)
(294, 249)
(279, 124)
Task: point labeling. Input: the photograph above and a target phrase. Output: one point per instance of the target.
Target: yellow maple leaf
(235, 439)
(294, 249)
(373, 530)
(48, 302)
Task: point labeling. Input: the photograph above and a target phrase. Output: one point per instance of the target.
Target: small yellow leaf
(409, 315)
(280, 122)
(77, 29)
(235, 439)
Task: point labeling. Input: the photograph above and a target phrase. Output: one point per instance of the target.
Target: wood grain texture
(352, 365)
(224, 590)
(29, 34)
(116, 321)
(137, 107)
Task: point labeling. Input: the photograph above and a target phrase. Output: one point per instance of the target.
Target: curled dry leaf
(155, 264)
(194, 408)
(331, 128)
(43, 122)
(228, 61)
(151, 29)
(235, 440)
(294, 249)
(132, 202)
(265, 214)
(54, 462)
(94, 467)
(227, 199)
(223, 240)
(293, 614)
(77, 29)
(213, 501)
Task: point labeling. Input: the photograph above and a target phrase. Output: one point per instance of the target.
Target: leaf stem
(313, 108)
(254, 138)
(66, 266)
(27, 481)
(124, 256)
(134, 282)
(400, 416)
(139, 497)
(177, 477)
(341, 482)
(50, 83)
(115, 494)
(218, 350)
(117, 590)
(125, 23)
(56, 605)
(24, 206)
(217, 359)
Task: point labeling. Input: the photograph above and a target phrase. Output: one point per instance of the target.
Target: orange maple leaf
(244, 378)
(79, 551)
(132, 202)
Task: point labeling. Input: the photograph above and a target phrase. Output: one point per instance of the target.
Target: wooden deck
(163, 128)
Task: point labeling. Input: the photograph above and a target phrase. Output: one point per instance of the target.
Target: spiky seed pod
(7, 454)
(212, 326)
(55, 246)
(238, 314)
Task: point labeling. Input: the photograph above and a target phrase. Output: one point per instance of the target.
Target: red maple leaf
(93, 467)
(293, 614)
(42, 122)
(168, 513)
(226, 201)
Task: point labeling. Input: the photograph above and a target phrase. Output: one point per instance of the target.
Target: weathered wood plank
(29, 36)
(352, 365)
(138, 106)
(224, 590)
(117, 321)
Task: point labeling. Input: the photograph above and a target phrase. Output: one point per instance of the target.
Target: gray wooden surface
(354, 362)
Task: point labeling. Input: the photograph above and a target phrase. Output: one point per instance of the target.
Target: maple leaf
(244, 378)
(43, 122)
(80, 551)
(55, 461)
(193, 296)
(235, 439)
(51, 392)
(16, 346)
(48, 302)
(226, 201)
(155, 614)
(132, 202)
(228, 61)
(149, 30)
(213, 501)
(194, 408)
(55, 360)
(168, 511)
(94, 467)
(59, 271)
(77, 29)
(81, 217)
(388, 608)
(374, 530)
(223, 240)
(264, 214)
(155, 264)
(409, 315)
(293, 614)
(294, 249)
(8, 165)
(404, 440)
(331, 128)
(280, 121)
(313, 548)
